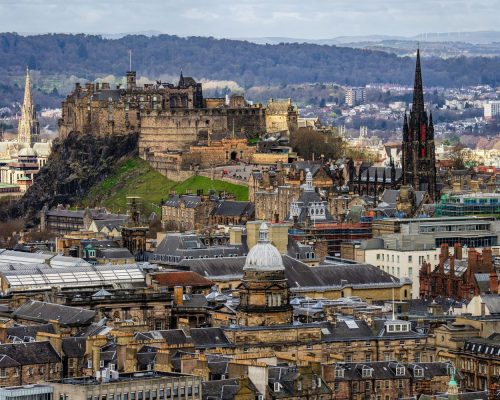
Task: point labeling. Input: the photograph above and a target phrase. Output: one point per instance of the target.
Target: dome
(26, 152)
(264, 256)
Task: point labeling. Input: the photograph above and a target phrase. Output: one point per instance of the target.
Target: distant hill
(248, 64)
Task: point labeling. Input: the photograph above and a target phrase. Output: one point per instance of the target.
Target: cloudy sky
(309, 19)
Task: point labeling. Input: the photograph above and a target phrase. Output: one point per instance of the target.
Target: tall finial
(418, 90)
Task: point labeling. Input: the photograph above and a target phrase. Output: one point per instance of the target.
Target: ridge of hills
(70, 57)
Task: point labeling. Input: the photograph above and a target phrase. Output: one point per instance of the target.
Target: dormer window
(367, 372)
(339, 372)
(418, 372)
(277, 387)
(400, 370)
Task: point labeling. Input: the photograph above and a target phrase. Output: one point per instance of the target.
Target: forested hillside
(247, 63)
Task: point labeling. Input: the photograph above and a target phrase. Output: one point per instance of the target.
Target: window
(3, 373)
(400, 370)
(410, 259)
(339, 372)
(418, 372)
(336, 387)
(368, 357)
(366, 372)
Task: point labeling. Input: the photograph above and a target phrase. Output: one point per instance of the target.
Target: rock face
(76, 164)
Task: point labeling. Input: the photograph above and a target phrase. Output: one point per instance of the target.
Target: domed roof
(264, 256)
(26, 152)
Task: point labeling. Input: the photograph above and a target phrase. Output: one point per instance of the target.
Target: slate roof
(114, 253)
(25, 332)
(41, 311)
(74, 347)
(209, 337)
(225, 389)
(380, 174)
(230, 208)
(332, 272)
(189, 201)
(31, 353)
(178, 246)
(181, 278)
(7, 362)
(172, 336)
(492, 301)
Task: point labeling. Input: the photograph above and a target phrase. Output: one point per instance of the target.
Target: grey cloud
(244, 18)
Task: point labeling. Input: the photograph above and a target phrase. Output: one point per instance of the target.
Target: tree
(306, 142)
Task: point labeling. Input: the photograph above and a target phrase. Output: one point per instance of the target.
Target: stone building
(186, 212)
(281, 117)
(21, 160)
(264, 292)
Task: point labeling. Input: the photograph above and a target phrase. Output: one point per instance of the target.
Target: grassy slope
(134, 177)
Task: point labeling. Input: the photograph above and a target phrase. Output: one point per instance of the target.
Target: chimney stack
(493, 282)
(178, 295)
(458, 251)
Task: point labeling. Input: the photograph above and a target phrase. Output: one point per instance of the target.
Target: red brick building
(458, 277)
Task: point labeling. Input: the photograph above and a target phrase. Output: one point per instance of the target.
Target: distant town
(158, 242)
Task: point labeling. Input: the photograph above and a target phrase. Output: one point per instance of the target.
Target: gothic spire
(418, 90)
(405, 129)
(28, 129)
(431, 127)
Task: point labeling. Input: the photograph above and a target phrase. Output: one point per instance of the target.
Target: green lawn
(134, 177)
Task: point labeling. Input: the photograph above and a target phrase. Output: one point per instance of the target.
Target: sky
(304, 19)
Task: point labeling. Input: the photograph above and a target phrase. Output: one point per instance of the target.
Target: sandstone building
(176, 124)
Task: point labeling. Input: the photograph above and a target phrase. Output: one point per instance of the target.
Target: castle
(176, 124)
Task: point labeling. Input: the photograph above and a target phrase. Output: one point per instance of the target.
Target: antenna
(130, 59)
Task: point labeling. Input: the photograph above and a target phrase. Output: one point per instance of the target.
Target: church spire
(418, 90)
(28, 130)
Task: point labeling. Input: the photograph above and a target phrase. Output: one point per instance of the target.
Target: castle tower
(28, 130)
(419, 155)
(264, 292)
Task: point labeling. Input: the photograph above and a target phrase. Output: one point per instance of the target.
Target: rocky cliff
(75, 165)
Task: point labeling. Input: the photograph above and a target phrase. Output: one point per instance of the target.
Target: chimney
(445, 252)
(472, 260)
(458, 251)
(452, 266)
(235, 235)
(493, 282)
(178, 295)
(487, 259)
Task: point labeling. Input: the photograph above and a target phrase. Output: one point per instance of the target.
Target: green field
(134, 177)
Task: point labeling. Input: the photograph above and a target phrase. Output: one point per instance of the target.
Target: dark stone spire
(431, 127)
(418, 90)
(405, 129)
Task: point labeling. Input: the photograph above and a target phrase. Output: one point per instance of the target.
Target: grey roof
(189, 201)
(25, 332)
(380, 174)
(312, 166)
(176, 247)
(172, 336)
(111, 224)
(492, 302)
(225, 389)
(230, 208)
(31, 353)
(299, 275)
(41, 311)
(113, 253)
(209, 337)
(390, 196)
(74, 347)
